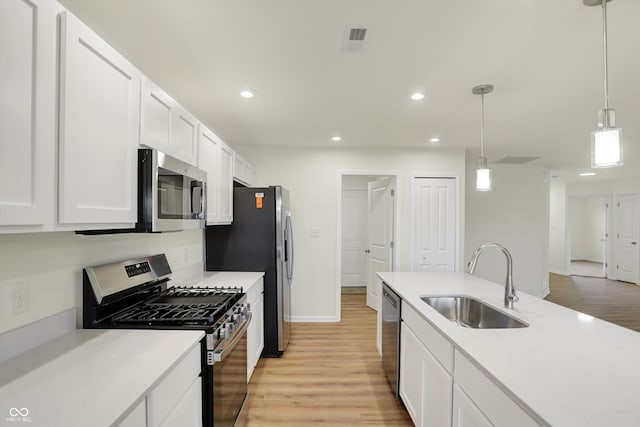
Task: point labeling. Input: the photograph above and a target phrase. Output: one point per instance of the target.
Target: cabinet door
(188, 411)
(137, 417)
(425, 386)
(99, 129)
(208, 161)
(225, 184)
(184, 135)
(155, 116)
(255, 335)
(465, 412)
(167, 126)
(27, 113)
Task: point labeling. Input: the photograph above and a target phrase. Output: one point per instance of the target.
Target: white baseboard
(314, 319)
(545, 293)
(560, 272)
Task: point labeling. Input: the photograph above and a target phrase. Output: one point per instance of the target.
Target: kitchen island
(565, 369)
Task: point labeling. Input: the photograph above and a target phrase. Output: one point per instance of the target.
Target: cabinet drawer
(166, 395)
(438, 345)
(493, 402)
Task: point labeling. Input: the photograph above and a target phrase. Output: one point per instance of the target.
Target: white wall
(515, 214)
(311, 175)
(50, 264)
(558, 236)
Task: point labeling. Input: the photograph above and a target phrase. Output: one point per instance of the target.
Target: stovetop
(179, 306)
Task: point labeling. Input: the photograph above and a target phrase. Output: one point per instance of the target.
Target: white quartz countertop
(566, 369)
(225, 279)
(88, 377)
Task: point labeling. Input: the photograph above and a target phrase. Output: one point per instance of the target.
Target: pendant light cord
(482, 125)
(604, 38)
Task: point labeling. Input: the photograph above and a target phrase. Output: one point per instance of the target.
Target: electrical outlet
(19, 296)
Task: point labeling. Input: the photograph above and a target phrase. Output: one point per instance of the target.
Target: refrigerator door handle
(288, 233)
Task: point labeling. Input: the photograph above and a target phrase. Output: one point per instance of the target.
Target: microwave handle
(197, 200)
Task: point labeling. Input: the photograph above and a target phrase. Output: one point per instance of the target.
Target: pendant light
(606, 141)
(483, 174)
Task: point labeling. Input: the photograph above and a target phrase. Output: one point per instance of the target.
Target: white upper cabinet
(27, 111)
(167, 126)
(216, 159)
(208, 161)
(243, 171)
(226, 184)
(99, 129)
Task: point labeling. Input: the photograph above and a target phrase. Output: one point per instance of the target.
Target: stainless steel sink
(472, 313)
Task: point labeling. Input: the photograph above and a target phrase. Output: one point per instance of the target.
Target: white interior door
(379, 236)
(628, 227)
(354, 238)
(434, 224)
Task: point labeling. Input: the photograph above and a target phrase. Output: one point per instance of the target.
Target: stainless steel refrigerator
(259, 239)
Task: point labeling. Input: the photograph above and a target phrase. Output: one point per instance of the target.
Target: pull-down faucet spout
(509, 290)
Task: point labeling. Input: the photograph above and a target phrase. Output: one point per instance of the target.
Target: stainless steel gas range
(139, 294)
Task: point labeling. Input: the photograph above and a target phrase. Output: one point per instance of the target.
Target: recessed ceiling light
(587, 174)
(434, 139)
(336, 138)
(417, 96)
(247, 93)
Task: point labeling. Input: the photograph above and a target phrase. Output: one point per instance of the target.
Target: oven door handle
(230, 343)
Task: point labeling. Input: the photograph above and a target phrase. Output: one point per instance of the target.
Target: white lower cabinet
(440, 386)
(177, 399)
(188, 410)
(465, 412)
(495, 404)
(255, 331)
(137, 417)
(425, 386)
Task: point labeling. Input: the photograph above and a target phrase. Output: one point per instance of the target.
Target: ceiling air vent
(355, 39)
(516, 160)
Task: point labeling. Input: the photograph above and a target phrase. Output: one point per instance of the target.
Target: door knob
(634, 243)
(367, 251)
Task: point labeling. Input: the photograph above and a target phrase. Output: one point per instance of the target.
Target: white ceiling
(544, 58)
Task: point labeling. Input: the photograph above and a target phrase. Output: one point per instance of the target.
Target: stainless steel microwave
(171, 193)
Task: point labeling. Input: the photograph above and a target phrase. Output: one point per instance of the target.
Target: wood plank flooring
(330, 375)
(615, 302)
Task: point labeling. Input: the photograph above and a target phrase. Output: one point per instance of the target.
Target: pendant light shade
(483, 173)
(606, 141)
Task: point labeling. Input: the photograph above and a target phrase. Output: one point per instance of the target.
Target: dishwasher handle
(393, 301)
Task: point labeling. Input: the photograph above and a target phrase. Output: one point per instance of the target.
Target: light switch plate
(19, 297)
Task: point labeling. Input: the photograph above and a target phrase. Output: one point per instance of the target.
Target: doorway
(366, 230)
(628, 236)
(589, 235)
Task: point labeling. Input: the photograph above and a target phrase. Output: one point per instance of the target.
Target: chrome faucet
(509, 290)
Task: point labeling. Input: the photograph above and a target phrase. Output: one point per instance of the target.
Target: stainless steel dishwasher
(391, 336)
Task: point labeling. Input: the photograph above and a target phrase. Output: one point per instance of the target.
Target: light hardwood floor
(330, 375)
(615, 302)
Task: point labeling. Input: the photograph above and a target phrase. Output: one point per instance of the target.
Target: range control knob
(222, 332)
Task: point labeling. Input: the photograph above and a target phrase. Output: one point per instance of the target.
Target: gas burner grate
(170, 313)
(183, 291)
